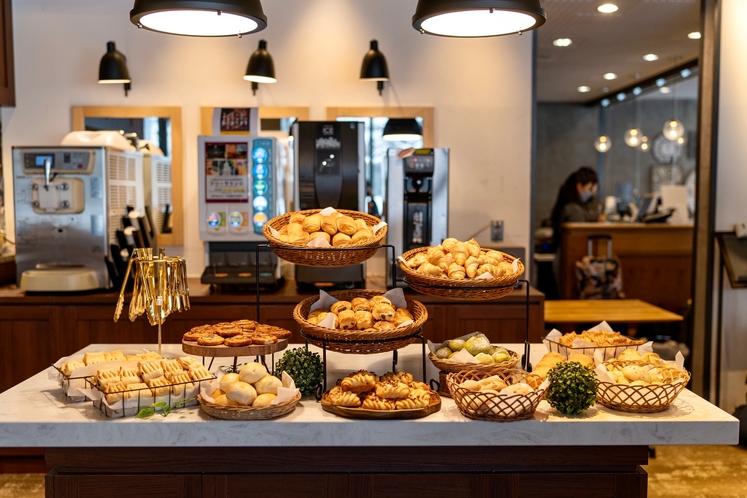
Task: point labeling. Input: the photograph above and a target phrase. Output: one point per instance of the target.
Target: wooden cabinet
(7, 70)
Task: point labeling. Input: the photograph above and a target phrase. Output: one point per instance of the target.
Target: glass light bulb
(644, 143)
(633, 137)
(476, 23)
(673, 129)
(603, 144)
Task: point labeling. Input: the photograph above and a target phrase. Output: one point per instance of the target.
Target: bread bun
(252, 372)
(227, 380)
(268, 384)
(242, 393)
(263, 400)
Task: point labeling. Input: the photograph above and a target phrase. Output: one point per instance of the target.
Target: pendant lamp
(260, 69)
(113, 68)
(402, 130)
(477, 18)
(199, 17)
(603, 144)
(374, 66)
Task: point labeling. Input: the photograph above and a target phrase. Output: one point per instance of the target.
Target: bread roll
(268, 384)
(361, 236)
(312, 223)
(224, 400)
(346, 225)
(582, 359)
(519, 388)
(329, 224)
(252, 372)
(297, 218)
(361, 224)
(242, 393)
(547, 362)
(341, 240)
(294, 228)
(323, 235)
(263, 400)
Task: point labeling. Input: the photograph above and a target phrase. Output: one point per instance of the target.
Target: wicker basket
(467, 289)
(445, 367)
(609, 352)
(488, 406)
(328, 257)
(247, 412)
(641, 399)
(349, 341)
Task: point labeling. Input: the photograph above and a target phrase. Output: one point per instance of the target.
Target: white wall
(481, 89)
(731, 201)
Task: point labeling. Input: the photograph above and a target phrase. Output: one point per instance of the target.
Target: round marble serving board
(222, 351)
(344, 411)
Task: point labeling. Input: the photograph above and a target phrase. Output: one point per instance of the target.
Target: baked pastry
(430, 270)
(210, 340)
(268, 384)
(129, 375)
(114, 356)
(374, 402)
(341, 240)
(361, 236)
(362, 225)
(347, 320)
(380, 300)
(411, 403)
(340, 306)
(94, 358)
(108, 376)
(436, 256)
(383, 326)
(280, 333)
(180, 377)
(171, 366)
(200, 373)
(346, 225)
(338, 397)
(250, 373)
(263, 400)
(323, 235)
(471, 266)
(392, 389)
(546, 363)
(69, 367)
(297, 218)
(383, 311)
(299, 238)
(449, 243)
(405, 377)
(582, 359)
(150, 369)
(417, 260)
(312, 223)
(228, 330)
(188, 362)
(363, 320)
(227, 380)
(159, 386)
(193, 334)
(401, 316)
(262, 339)
(223, 400)
(456, 271)
(242, 393)
(519, 388)
(329, 225)
(360, 304)
(359, 382)
(238, 341)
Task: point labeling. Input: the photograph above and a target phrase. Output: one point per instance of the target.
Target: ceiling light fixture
(113, 68)
(633, 137)
(695, 35)
(584, 89)
(477, 18)
(260, 69)
(402, 130)
(609, 76)
(661, 82)
(644, 143)
(650, 57)
(665, 89)
(637, 91)
(199, 17)
(607, 8)
(374, 67)
(562, 42)
(603, 144)
(621, 96)
(605, 102)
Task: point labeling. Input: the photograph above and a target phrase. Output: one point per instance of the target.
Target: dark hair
(569, 194)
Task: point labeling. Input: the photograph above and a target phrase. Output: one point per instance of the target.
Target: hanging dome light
(673, 129)
(402, 130)
(113, 68)
(199, 17)
(603, 144)
(374, 67)
(644, 144)
(633, 137)
(477, 18)
(261, 68)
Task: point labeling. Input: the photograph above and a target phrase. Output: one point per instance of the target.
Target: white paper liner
(325, 301)
(286, 392)
(552, 343)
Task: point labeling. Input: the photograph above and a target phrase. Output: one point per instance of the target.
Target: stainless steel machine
(69, 204)
(329, 172)
(417, 199)
(239, 192)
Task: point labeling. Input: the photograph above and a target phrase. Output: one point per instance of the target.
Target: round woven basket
(641, 399)
(465, 289)
(349, 341)
(328, 257)
(247, 412)
(488, 406)
(453, 366)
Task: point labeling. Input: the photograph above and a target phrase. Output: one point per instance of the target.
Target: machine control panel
(60, 162)
(262, 188)
(422, 161)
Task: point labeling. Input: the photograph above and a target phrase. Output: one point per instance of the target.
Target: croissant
(312, 223)
(494, 270)
(362, 236)
(364, 320)
(359, 382)
(392, 389)
(360, 304)
(473, 247)
(361, 225)
(471, 265)
(382, 311)
(460, 253)
(497, 256)
(340, 306)
(339, 397)
(373, 402)
(431, 270)
(284, 230)
(323, 235)
(456, 271)
(448, 244)
(380, 299)
(346, 225)
(347, 320)
(436, 256)
(341, 240)
(416, 260)
(297, 218)
(506, 267)
(329, 224)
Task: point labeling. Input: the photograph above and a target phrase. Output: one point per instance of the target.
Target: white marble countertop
(34, 414)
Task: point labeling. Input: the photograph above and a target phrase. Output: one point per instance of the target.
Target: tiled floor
(676, 472)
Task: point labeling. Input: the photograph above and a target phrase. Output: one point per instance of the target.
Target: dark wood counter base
(548, 471)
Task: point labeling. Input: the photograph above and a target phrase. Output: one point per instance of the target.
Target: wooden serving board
(222, 351)
(344, 411)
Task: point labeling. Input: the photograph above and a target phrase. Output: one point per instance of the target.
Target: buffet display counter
(314, 453)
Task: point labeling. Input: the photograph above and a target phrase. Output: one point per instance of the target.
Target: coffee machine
(329, 172)
(239, 193)
(417, 199)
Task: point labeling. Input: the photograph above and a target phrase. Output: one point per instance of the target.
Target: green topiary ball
(573, 388)
(304, 367)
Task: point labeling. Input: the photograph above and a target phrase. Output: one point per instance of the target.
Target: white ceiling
(615, 43)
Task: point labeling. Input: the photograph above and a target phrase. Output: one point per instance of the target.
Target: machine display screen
(40, 159)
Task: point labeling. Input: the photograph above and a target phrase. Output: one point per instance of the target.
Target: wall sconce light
(477, 18)
(401, 130)
(260, 69)
(374, 67)
(199, 17)
(113, 68)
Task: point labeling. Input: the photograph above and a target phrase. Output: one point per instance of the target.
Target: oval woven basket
(349, 341)
(642, 399)
(328, 257)
(247, 412)
(453, 366)
(466, 289)
(488, 406)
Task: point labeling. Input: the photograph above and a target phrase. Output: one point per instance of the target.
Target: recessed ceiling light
(584, 89)
(562, 42)
(695, 35)
(650, 57)
(607, 8)
(621, 96)
(609, 76)
(665, 89)
(661, 82)
(605, 102)
(685, 73)
(637, 90)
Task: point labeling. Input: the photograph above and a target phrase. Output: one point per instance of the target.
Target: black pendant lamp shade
(374, 66)
(200, 17)
(113, 67)
(477, 18)
(260, 69)
(407, 129)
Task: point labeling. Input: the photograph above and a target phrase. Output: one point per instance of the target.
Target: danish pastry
(340, 306)
(329, 225)
(347, 320)
(346, 225)
(296, 218)
(341, 240)
(339, 397)
(363, 320)
(392, 389)
(383, 311)
(312, 223)
(359, 382)
(360, 304)
(374, 402)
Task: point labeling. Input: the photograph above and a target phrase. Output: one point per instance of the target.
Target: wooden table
(629, 311)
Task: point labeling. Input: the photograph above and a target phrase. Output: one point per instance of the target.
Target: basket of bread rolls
(503, 396)
(640, 383)
(359, 234)
(460, 270)
(358, 316)
(251, 394)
